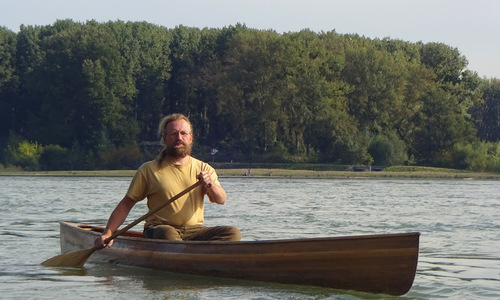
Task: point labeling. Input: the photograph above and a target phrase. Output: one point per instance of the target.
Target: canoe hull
(373, 263)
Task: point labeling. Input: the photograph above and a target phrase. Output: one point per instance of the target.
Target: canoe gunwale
(137, 235)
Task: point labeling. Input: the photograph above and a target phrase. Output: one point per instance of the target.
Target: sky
(473, 27)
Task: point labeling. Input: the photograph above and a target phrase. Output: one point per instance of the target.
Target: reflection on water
(459, 222)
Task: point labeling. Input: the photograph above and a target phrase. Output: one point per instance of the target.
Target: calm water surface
(459, 221)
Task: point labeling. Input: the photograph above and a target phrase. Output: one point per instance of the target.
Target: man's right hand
(99, 242)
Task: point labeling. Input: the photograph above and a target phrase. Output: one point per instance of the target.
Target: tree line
(90, 95)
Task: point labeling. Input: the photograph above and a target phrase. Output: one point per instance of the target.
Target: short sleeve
(137, 189)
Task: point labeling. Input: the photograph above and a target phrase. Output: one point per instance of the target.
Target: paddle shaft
(123, 230)
(78, 258)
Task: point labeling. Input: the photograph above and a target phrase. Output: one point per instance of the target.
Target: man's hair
(170, 118)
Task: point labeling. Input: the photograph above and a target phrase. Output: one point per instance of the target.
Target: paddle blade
(74, 259)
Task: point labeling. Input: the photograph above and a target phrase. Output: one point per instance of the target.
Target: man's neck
(178, 161)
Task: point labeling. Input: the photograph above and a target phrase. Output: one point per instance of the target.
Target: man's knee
(232, 233)
(164, 232)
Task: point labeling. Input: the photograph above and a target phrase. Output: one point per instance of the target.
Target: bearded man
(161, 179)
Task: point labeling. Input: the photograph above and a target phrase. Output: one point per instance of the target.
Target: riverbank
(363, 174)
(389, 173)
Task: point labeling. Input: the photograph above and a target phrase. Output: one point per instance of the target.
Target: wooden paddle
(78, 258)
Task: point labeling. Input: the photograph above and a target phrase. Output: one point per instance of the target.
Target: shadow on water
(175, 285)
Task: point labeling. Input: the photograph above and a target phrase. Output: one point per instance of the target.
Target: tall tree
(378, 79)
(65, 90)
(8, 81)
(449, 65)
(486, 115)
(249, 100)
(145, 49)
(316, 104)
(440, 127)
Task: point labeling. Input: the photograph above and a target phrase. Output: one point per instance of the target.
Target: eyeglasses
(176, 133)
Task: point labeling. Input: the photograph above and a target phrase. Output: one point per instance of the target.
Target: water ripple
(458, 220)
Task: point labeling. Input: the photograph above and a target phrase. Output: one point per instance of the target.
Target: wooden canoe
(371, 263)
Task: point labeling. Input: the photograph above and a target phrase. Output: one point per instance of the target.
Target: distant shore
(286, 173)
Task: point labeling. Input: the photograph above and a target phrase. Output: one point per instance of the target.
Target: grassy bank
(391, 172)
(430, 174)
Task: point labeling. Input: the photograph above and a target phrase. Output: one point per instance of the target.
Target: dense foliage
(83, 96)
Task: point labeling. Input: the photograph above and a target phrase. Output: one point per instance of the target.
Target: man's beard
(178, 151)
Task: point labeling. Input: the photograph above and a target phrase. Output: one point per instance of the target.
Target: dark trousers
(193, 233)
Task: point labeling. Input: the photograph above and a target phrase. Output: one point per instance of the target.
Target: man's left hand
(206, 178)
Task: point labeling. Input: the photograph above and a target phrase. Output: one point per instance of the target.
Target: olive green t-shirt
(160, 183)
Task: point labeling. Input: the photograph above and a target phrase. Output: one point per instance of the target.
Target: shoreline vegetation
(387, 173)
(299, 97)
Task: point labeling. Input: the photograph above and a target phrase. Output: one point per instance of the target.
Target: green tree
(145, 49)
(316, 103)
(447, 62)
(248, 99)
(378, 79)
(9, 81)
(27, 57)
(313, 66)
(185, 54)
(80, 90)
(440, 127)
(486, 115)
(451, 74)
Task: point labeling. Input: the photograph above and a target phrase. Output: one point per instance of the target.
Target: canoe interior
(373, 263)
(98, 229)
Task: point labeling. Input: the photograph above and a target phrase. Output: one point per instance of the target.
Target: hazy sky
(471, 26)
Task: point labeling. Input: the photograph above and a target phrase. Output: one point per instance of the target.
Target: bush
(484, 156)
(480, 156)
(56, 158)
(123, 158)
(23, 154)
(388, 150)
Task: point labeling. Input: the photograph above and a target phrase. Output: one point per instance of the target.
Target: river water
(459, 247)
